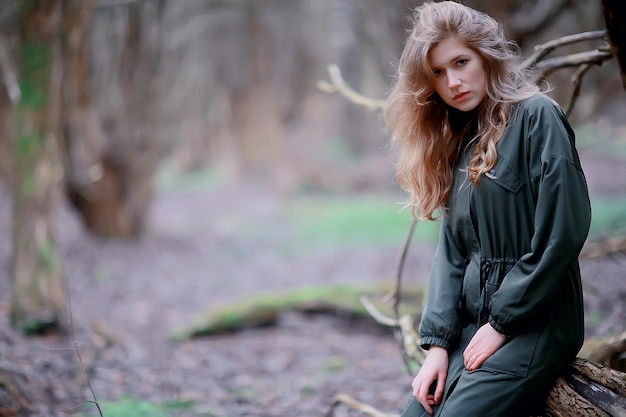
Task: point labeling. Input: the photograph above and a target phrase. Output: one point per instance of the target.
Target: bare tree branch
(377, 315)
(338, 85)
(405, 249)
(577, 79)
(542, 50)
(411, 343)
(548, 66)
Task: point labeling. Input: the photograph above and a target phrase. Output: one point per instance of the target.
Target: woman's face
(460, 77)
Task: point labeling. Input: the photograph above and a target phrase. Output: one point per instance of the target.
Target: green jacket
(508, 248)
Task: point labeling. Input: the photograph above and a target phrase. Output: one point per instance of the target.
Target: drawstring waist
(490, 275)
(485, 271)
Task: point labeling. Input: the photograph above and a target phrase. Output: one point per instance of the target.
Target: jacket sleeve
(561, 223)
(440, 324)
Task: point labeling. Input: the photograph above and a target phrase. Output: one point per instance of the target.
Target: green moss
(264, 309)
(354, 221)
(35, 75)
(28, 142)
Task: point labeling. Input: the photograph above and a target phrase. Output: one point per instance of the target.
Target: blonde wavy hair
(423, 125)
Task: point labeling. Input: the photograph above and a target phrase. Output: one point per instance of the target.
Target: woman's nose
(453, 81)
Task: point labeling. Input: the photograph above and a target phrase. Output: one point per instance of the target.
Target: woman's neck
(460, 121)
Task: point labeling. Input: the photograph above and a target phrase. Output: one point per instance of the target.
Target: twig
(338, 85)
(577, 79)
(408, 340)
(542, 50)
(573, 60)
(400, 268)
(377, 315)
(341, 398)
(80, 359)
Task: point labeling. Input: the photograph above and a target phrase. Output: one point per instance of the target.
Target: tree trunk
(37, 299)
(112, 164)
(614, 12)
(83, 138)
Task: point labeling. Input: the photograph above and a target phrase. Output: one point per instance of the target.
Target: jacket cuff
(428, 341)
(498, 328)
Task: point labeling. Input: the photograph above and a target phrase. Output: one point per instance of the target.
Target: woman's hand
(434, 369)
(486, 342)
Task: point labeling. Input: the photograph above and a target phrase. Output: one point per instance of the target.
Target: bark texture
(614, 12)
(590, 389)
(37, 299)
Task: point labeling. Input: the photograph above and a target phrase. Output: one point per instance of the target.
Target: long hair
(422, 123)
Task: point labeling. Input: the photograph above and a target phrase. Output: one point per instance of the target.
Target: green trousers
(500, 388)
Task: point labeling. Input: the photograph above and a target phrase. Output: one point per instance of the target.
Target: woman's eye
(437, 72)
(461, 62)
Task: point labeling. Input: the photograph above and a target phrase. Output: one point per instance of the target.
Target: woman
(495, 158)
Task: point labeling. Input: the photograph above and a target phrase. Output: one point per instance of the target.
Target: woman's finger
(421, 397)
(440, 387)
(476, 360)
(469, 353)
(468, 356)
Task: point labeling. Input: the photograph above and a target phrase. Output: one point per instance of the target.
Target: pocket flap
(505, 176)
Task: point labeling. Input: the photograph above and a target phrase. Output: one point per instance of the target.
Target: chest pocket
(505, 176)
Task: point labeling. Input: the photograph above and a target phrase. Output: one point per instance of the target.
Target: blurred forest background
(160, 157)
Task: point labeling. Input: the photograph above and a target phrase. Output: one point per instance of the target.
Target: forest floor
(203, 249)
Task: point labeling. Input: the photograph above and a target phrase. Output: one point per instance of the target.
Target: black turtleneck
(464, 123)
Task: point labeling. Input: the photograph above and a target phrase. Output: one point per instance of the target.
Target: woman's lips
(460, 96)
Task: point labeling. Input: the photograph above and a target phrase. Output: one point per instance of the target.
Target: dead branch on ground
(353, 404)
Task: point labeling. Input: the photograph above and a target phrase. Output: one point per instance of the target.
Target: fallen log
(341, 300)
(588, 390)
